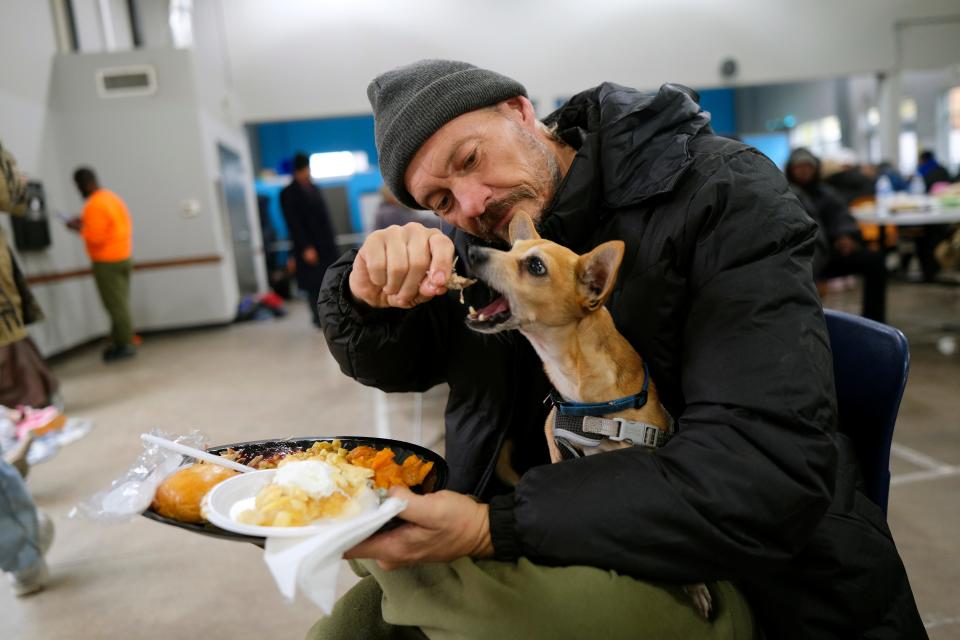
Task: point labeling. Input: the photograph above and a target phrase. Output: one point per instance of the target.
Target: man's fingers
(398, 546)
(374, 257)
(441, 258)
(402, 266)
(397, 265)
(421, 510)
(418, 263)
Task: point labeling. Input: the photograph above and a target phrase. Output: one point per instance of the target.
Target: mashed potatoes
(310, 488)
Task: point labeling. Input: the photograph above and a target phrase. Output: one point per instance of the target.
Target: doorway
(232, 189)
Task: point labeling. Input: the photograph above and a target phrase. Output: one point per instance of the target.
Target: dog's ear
(597, 273)
(521, 228)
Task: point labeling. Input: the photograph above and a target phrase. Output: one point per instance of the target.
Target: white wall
(296, 59)
(927, 88)
(27, 36)
(155, 152)
(154, 26)
(28, 131)
(152, 151)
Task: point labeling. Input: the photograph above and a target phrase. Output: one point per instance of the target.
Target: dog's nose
(478, 255)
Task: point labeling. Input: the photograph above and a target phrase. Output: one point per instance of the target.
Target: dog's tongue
(497, 306)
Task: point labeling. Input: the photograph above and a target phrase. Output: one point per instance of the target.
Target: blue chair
(870, 366)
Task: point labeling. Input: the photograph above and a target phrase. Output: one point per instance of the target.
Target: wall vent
(126, 82)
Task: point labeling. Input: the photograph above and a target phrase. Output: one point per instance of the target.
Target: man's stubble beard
(547, 178)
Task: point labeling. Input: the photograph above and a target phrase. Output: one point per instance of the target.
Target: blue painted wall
(775, 146)
(280, 140)
(722, 107)
(356, 185)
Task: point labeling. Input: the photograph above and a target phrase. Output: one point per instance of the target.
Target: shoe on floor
(35, 578)
(119, 352)
(30, 580)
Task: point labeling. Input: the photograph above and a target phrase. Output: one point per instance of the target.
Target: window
(338, 164)
(953, 125)
(908, 153)
(821, 136)
(908, 137)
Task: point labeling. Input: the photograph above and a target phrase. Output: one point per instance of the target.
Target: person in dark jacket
(716, 292)
(309, 228)
(841, 246)
(930, 170)
(853, 182)
(928, 237)
(391, 212)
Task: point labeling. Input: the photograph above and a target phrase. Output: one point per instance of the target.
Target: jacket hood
(640, 136)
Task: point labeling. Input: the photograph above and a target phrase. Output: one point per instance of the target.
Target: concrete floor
(273, 379)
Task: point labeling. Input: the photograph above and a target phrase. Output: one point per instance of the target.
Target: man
(928, 237)
(930, 169)
(107, 231)
(840, 249)
(308, 224)
(391, 212)
(715, 292)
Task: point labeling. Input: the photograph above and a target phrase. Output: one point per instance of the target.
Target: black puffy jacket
(715, 291)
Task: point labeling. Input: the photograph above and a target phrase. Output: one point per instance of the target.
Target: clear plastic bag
(131, 494)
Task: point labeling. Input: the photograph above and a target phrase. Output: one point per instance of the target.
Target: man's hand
(845, 245)
(392, 266)
(310, 256)
(74, 224)
(440, 527)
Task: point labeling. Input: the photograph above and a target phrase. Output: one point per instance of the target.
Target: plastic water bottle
(917, 186)
(884, 190)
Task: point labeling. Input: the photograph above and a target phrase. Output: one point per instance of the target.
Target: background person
(392, 212)
(25, 533)
(308, 224)
(25, 377)
(715, 293)
(107, 231)
(931, 170)
(927, 237)
(840, 249)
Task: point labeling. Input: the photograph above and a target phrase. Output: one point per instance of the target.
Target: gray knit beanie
(411, 103)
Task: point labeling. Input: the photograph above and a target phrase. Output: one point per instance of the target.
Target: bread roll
(179, 496)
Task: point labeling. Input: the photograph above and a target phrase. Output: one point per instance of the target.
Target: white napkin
(313, 562)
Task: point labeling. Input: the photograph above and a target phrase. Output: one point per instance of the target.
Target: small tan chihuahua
(555, 298)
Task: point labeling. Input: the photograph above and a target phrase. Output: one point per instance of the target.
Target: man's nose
(473, 198)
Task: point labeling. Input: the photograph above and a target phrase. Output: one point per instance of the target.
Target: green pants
(488, 599)
(113, 284)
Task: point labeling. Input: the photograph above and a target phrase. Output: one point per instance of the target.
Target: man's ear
(520, 109)
(597, 273)
(521, 228)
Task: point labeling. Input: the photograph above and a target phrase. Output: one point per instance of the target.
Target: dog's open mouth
(490, 316)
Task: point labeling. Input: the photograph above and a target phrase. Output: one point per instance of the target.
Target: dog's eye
(536, 267)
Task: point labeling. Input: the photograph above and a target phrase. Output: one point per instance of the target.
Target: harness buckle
(636, 433)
